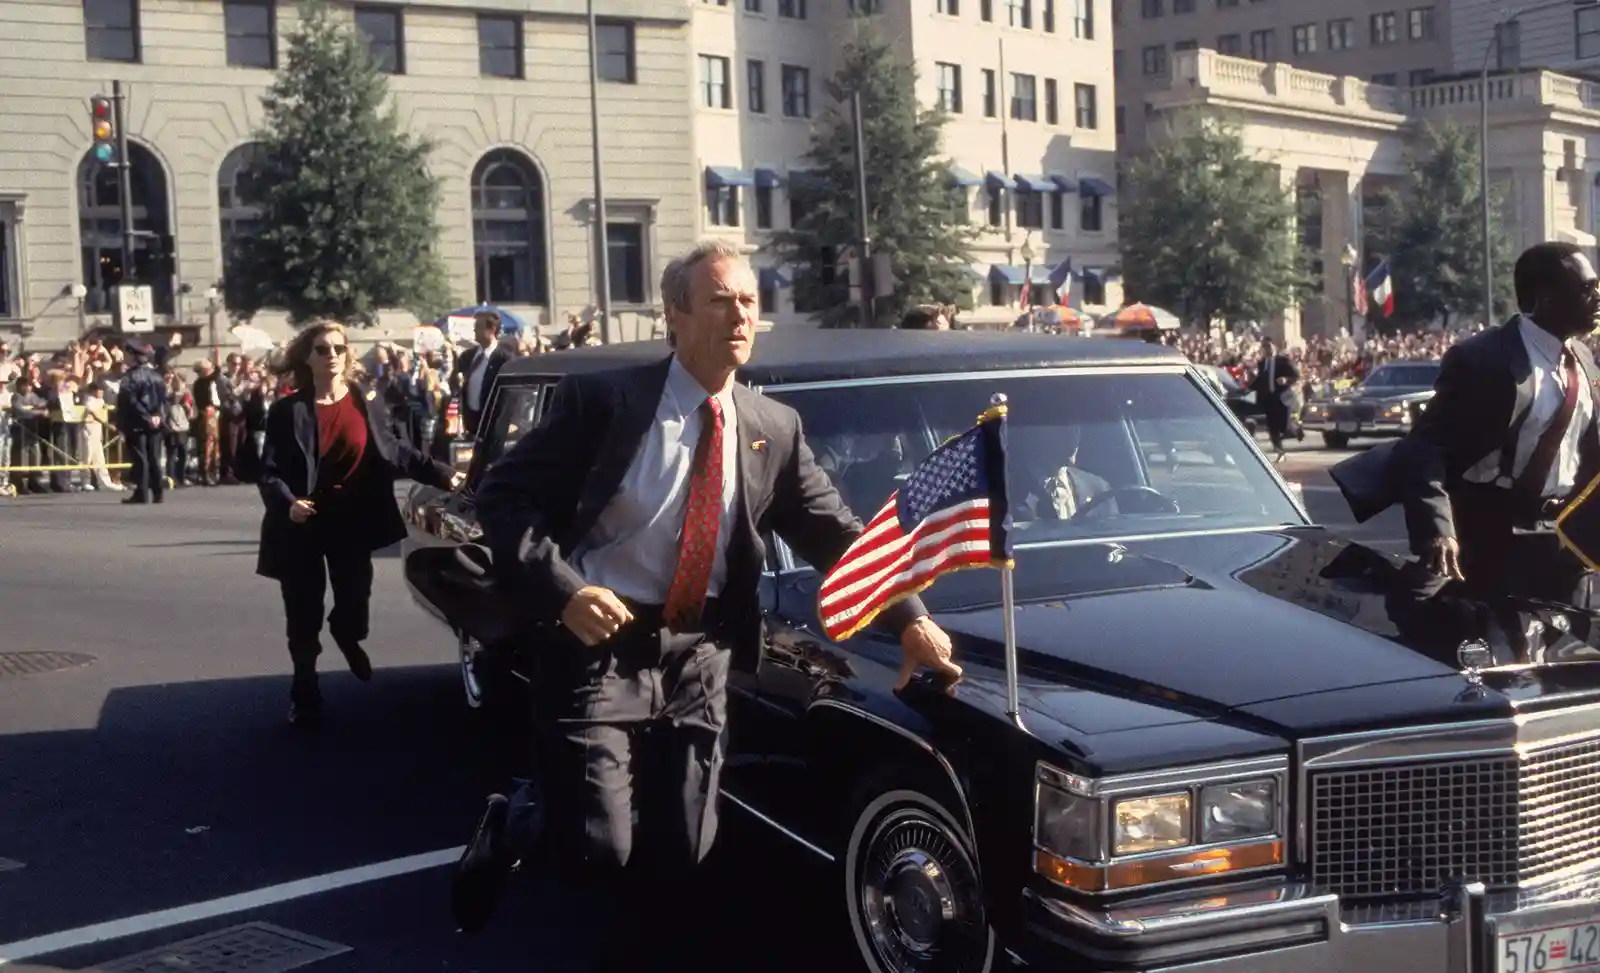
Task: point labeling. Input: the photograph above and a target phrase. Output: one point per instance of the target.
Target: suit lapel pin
(758, 445)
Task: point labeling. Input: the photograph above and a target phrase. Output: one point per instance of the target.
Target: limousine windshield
(1090, 454)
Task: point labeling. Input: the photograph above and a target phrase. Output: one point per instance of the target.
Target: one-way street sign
(135, 308)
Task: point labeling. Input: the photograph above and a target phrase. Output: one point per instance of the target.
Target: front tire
(484, 681)
(912, 889)
(1335, 440)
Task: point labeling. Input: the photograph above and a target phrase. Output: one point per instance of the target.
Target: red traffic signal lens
(101, 107)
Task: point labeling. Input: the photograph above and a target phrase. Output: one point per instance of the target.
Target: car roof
(789, 355)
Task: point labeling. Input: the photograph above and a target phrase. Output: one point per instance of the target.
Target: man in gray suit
(633, 517)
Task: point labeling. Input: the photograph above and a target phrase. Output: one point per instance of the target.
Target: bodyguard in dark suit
(1509, 437)
(141, 404)
(328, 468)
(1276, 376)
(632, 520)
(477, 367)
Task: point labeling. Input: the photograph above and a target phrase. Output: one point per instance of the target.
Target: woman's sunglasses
(327, 350)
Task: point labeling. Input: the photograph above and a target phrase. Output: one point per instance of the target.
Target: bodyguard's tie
(1537, 473)
(702, 516)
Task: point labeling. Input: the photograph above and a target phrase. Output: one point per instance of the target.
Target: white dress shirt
(480, 368)
(1549, 394)
(633, 547)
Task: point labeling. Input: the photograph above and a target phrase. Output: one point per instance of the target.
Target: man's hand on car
(1444, 558)
(924, 643)
(594, 614)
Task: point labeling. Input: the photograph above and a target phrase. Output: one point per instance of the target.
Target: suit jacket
(289, 461)
(1268, 393)
(543, 497)
(465, 363)
(1484, 389)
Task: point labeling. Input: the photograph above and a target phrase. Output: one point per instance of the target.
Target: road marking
(227, 905)
(1315, 487)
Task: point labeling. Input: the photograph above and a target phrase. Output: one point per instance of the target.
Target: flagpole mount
(998, 406)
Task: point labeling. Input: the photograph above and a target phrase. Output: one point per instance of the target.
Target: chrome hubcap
(919, 898)
(470, 651)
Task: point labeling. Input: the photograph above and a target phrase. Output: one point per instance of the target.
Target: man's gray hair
(675, 279)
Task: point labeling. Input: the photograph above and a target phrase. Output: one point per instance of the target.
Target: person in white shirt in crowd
(477, 367)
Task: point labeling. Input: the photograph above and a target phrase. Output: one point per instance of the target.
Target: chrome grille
(1386, 829)
(1413, 827)
(1355, 412)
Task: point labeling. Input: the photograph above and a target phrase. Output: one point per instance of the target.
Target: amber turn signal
(1156, 869)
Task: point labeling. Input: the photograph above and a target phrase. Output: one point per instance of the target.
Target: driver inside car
(1062, 491)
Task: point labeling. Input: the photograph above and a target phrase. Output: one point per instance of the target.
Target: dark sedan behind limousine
(1243, 744)
(1384, 405)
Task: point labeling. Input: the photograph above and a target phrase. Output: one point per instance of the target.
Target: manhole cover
(13, 664)
(256, 947)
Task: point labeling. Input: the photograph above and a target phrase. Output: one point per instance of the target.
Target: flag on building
(1061, 281)
(1381, 287)
(950, 514)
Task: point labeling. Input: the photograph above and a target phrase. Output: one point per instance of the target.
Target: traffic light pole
(124, 181)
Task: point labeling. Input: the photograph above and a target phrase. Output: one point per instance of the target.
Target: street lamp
(1347, 260)
(1027, 275)
(211, 312)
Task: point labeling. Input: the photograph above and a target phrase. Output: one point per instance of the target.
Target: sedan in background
(1385, 405)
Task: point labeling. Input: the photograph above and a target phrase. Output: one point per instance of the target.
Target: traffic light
(105, 129)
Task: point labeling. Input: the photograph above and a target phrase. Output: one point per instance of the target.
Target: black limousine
(1243, 743)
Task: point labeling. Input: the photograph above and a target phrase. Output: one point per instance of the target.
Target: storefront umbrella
(1140, 317)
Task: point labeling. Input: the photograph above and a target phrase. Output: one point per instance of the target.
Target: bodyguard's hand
(594, 614)
(1444, 559)
(301, 511)
(925, 645)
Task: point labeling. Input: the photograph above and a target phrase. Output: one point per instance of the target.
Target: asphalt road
(157, 772)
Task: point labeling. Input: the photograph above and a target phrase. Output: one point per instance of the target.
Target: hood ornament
(1474, 656)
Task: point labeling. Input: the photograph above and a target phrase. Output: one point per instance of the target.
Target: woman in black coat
(328, 468)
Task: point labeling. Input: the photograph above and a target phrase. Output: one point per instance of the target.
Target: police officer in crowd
(141, 402)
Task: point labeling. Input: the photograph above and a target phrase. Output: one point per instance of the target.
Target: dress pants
(629, 742)
(144, 455)
(322, 553)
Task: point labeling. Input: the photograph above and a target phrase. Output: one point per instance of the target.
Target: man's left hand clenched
(925, 645)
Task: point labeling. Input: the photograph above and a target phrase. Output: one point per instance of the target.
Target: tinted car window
(1090, 455)
(516, 410)
(1403, 376)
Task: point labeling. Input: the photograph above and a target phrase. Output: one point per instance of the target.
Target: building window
(720, 3)
(1508, 45)
(111, 30)
(1230, 44)
(1094, 288)
(386, 37)
(996, 215)
(866, 7)
(990, 96)
(1021, 13)
(714, 91)
(1083, 19)
(508, 230)
(1088, 111)
(1057, 214)
(238, 199)
(755, 86)
(722, 205)
(1421, 77)
(1419, 23)
(950, 7)
(1304, 39)
(1155, 60)
(986, 11)
(949, 87)
(100, 228)
(1227, 4)
(1024, 98)
(499, 46)
(1388, 79)
(1150, 9)
(763, 207)
(1030, 209)
(614, 45)
(1122, 120)
(1385, 29)
(1182, 6)
(1586, 26)
(10, 299)
(1185, 46)
(1051, 116)
(766, 293)
(1048, 10)
(752, 6)
(1341, 34)
(251, 26)
(792, 9)
(626, 260)
(1261, 45)
(796, 92)
(1090, 212)
(1116, 64)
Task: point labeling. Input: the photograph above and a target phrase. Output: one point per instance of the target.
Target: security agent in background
(141, 402)
(477, 367)
(1509, 437)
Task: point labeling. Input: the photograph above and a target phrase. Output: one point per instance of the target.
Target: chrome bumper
(1376, 427)
(1292, 928)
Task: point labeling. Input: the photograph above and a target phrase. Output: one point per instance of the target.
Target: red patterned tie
(1548, 447)
(702, 515)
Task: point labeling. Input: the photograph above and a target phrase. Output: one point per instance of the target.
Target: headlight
(1152, 824)
(1229, 812)
(1397, 409)
(1313, 409)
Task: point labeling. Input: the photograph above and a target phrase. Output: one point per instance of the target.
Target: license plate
(1349, 426)
(1551, 950)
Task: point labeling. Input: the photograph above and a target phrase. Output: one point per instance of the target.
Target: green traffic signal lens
(104, 153)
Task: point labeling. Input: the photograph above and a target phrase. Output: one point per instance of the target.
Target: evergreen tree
(1208, 232)
(1432, 230)
(914, 214)
(348, 208)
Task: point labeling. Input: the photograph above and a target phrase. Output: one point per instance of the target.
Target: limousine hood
(1292, 630)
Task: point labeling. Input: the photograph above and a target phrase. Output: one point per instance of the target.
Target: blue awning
(719, 176)
(1035, 184)
(1096, 187)
(772, 277)
(1012, 274)
(1063, 183)
(997, 180)
(768, 179)
(961, 177)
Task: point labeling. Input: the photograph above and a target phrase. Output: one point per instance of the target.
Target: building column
(1284, 327)
(1341, 227)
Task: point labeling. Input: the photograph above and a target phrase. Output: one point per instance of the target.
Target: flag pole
(1008, 605)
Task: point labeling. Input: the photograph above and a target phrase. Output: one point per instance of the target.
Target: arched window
(508, 230)
(100, 229)
(238, 198)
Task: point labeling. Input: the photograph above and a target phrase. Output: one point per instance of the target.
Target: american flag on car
(950, 514)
